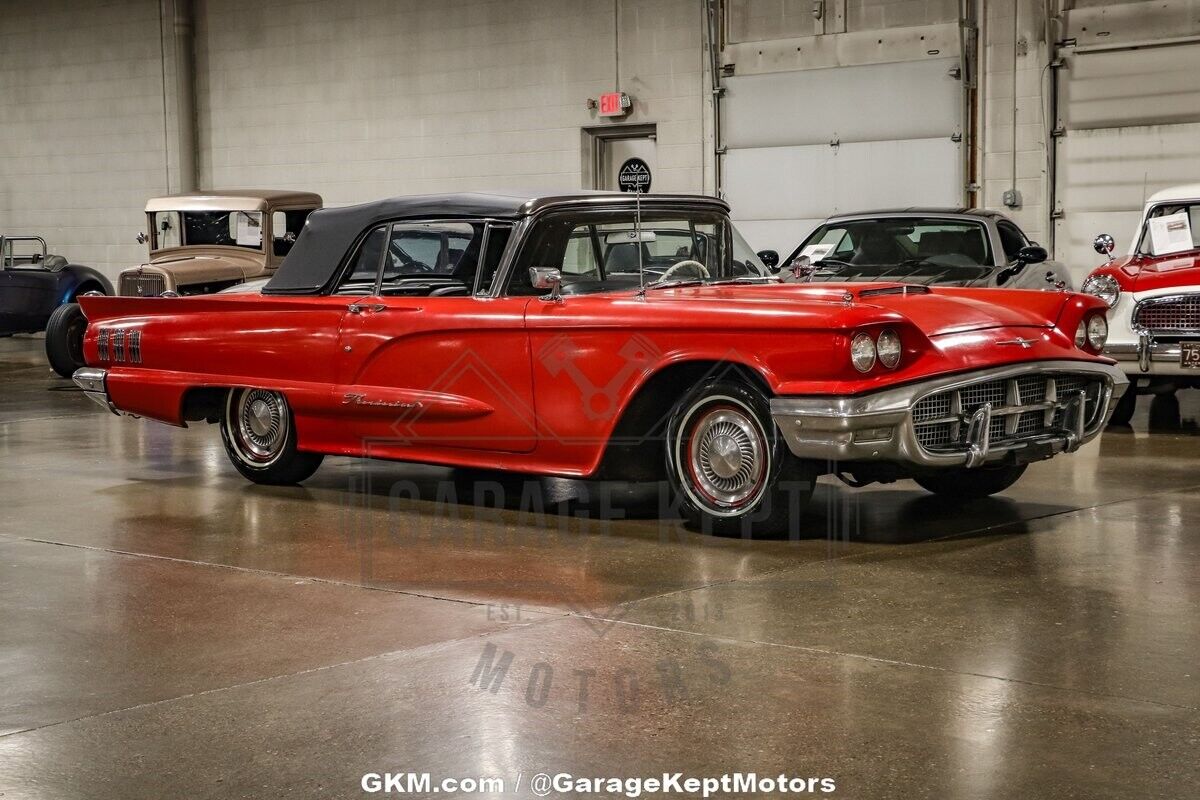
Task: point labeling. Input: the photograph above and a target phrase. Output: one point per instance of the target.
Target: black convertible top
(330, 232)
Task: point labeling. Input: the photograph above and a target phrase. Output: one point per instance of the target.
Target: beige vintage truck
(200, 243)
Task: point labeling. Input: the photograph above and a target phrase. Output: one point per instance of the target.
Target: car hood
(937, 311)
(203, 267)
(1149, 273)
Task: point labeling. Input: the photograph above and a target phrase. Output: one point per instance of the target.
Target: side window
(360, 275)
(432, 258)
(1011, 239)
(285, 227)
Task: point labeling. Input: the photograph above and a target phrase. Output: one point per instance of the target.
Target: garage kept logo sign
(634, 176)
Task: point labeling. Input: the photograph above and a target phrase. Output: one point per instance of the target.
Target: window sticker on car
(816, 252)
(249, 229)
(1170, 234)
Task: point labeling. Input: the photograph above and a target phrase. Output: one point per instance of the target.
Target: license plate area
(1189, 355)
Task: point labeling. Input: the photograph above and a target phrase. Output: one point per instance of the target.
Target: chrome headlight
(888, 348)
(1097, 332)
(1103, 286)
(1092, 333)
(862, 352)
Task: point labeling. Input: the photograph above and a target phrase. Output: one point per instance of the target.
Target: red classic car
(599, 335)
(1154, 293)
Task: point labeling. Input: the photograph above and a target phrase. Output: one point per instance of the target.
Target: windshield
(1171, 228)
(226, 228)
(867, 249)
(602, 251)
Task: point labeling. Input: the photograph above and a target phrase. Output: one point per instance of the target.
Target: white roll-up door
(1129, 122)
(804, 144)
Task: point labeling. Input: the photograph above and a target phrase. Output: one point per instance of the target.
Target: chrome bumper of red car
(894, 425)
(94, 383)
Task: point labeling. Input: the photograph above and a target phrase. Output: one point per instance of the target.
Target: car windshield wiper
(674, 284)
(746, 279)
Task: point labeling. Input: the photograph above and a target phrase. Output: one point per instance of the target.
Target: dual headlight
(865, 350)
(1103, 286)
(1092, 333)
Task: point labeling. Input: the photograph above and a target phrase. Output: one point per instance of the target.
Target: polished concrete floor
(169, 630)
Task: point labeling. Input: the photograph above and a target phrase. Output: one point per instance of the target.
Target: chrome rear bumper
(880, 427)
(94, 383)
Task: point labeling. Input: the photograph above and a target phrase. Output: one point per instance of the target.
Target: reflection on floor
(168, 629)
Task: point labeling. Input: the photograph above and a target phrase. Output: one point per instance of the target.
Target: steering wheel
(689, 263)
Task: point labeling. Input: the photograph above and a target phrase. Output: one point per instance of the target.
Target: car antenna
(637, 235)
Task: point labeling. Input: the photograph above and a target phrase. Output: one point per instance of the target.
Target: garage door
(805, 144)
(1130, 122)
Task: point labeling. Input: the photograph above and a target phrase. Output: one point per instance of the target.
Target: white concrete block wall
(1031, 165)
(375, 98)
(81, 125)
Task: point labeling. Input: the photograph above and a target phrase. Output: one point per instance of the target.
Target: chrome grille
(933, 407)
(1022, 408)
(974, 397)
(1177, 314)
(1031, 389)
(135, 347)
(147, 284)
(102, 344)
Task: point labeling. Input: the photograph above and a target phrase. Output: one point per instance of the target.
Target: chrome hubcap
(261, 423)
(727, 456)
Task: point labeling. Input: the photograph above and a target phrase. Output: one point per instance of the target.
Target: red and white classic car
(1154, 295)
(596, 335)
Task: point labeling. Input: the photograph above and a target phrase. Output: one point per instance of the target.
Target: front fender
(73, 276)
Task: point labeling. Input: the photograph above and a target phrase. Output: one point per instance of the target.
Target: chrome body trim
(94, 383)
(879, 426)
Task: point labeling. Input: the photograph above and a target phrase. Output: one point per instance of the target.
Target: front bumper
(879, 426)
(94, 383)
(1150, 357)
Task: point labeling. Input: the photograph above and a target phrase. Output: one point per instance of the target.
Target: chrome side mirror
(1104, 244)
(142, 238)
(547, 279)
(798, 270)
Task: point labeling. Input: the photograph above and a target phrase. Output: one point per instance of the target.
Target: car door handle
(358, 308)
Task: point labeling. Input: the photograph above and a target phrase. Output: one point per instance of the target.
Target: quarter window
(364, 266)
(497, 240)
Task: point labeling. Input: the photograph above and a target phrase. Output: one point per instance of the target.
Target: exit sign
(614, 104)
